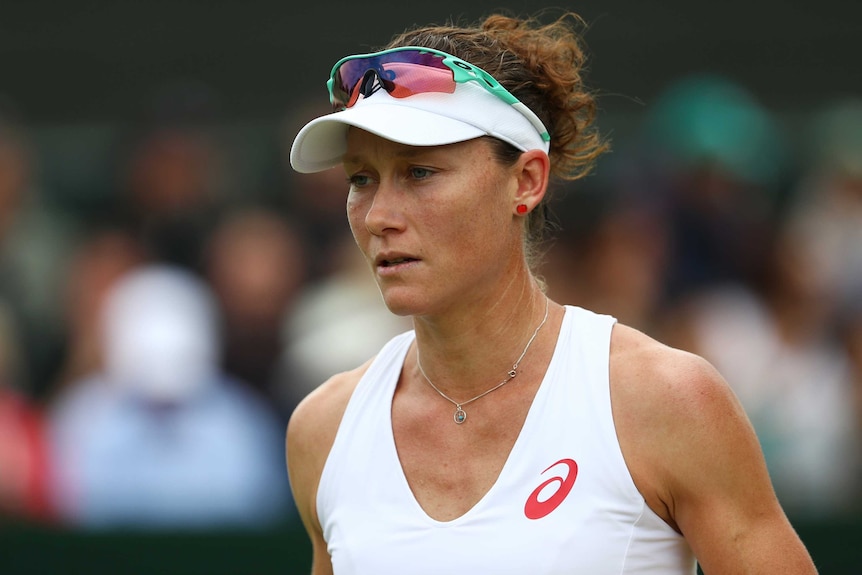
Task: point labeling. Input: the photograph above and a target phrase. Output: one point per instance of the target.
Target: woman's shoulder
(671, 390)
(673, 412)
(311, 433)
(316, 418)
(649, 369)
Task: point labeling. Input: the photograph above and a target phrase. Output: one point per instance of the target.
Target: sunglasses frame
(461, 72)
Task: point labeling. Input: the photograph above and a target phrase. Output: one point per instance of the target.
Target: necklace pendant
(460, 415)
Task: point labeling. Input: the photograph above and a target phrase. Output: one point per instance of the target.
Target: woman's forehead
(363, 145)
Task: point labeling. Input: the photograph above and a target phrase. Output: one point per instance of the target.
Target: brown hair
(542, 65)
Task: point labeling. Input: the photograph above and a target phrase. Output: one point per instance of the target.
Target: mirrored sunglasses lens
(402, 74)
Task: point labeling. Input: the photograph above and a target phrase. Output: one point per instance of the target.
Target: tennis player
(505, 433)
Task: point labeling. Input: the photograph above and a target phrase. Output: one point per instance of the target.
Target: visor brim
(321, 144)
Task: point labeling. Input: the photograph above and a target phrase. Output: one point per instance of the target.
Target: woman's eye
(358, 180)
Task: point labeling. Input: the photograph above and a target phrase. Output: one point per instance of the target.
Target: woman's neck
(473, 348)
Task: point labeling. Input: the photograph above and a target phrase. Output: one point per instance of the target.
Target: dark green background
(93, 60)
(835, 548)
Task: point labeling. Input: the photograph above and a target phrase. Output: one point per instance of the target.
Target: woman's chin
(401, 302)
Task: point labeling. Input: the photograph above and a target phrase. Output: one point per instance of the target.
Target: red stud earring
(521, 209)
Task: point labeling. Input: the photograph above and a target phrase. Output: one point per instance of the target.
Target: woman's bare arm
(696, 459)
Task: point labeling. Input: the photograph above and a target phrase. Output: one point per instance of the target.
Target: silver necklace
(460, 415)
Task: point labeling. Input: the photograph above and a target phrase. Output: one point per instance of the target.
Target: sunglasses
(410, 70)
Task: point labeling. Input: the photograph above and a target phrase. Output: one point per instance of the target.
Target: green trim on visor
(462, 72)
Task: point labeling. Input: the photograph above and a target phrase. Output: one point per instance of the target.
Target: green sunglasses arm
(464, 72)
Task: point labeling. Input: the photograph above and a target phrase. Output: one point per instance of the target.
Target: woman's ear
(533, 172)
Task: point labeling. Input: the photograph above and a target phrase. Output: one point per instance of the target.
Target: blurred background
(169, 288)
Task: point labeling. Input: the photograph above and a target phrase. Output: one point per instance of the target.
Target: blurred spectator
(720, 166)
(850, 330)
(34, 244)
(780, 355)
(24, 462)
(23, 458)
(317, 203)
(611, 255)
(256, 265)
(101, 257)
(827, 219)
(161, 438)
(828, 210)
(174, 173)
(338, 323)
(11, 356)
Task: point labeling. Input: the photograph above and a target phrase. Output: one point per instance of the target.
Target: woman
(505, 433)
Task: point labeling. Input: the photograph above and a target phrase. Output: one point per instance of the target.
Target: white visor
(427, 119)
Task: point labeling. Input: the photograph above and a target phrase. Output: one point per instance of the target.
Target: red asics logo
(535, 509)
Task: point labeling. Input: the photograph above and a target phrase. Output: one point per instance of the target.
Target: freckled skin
(443, 205)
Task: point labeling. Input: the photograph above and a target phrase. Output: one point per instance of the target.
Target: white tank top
(564, 502)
